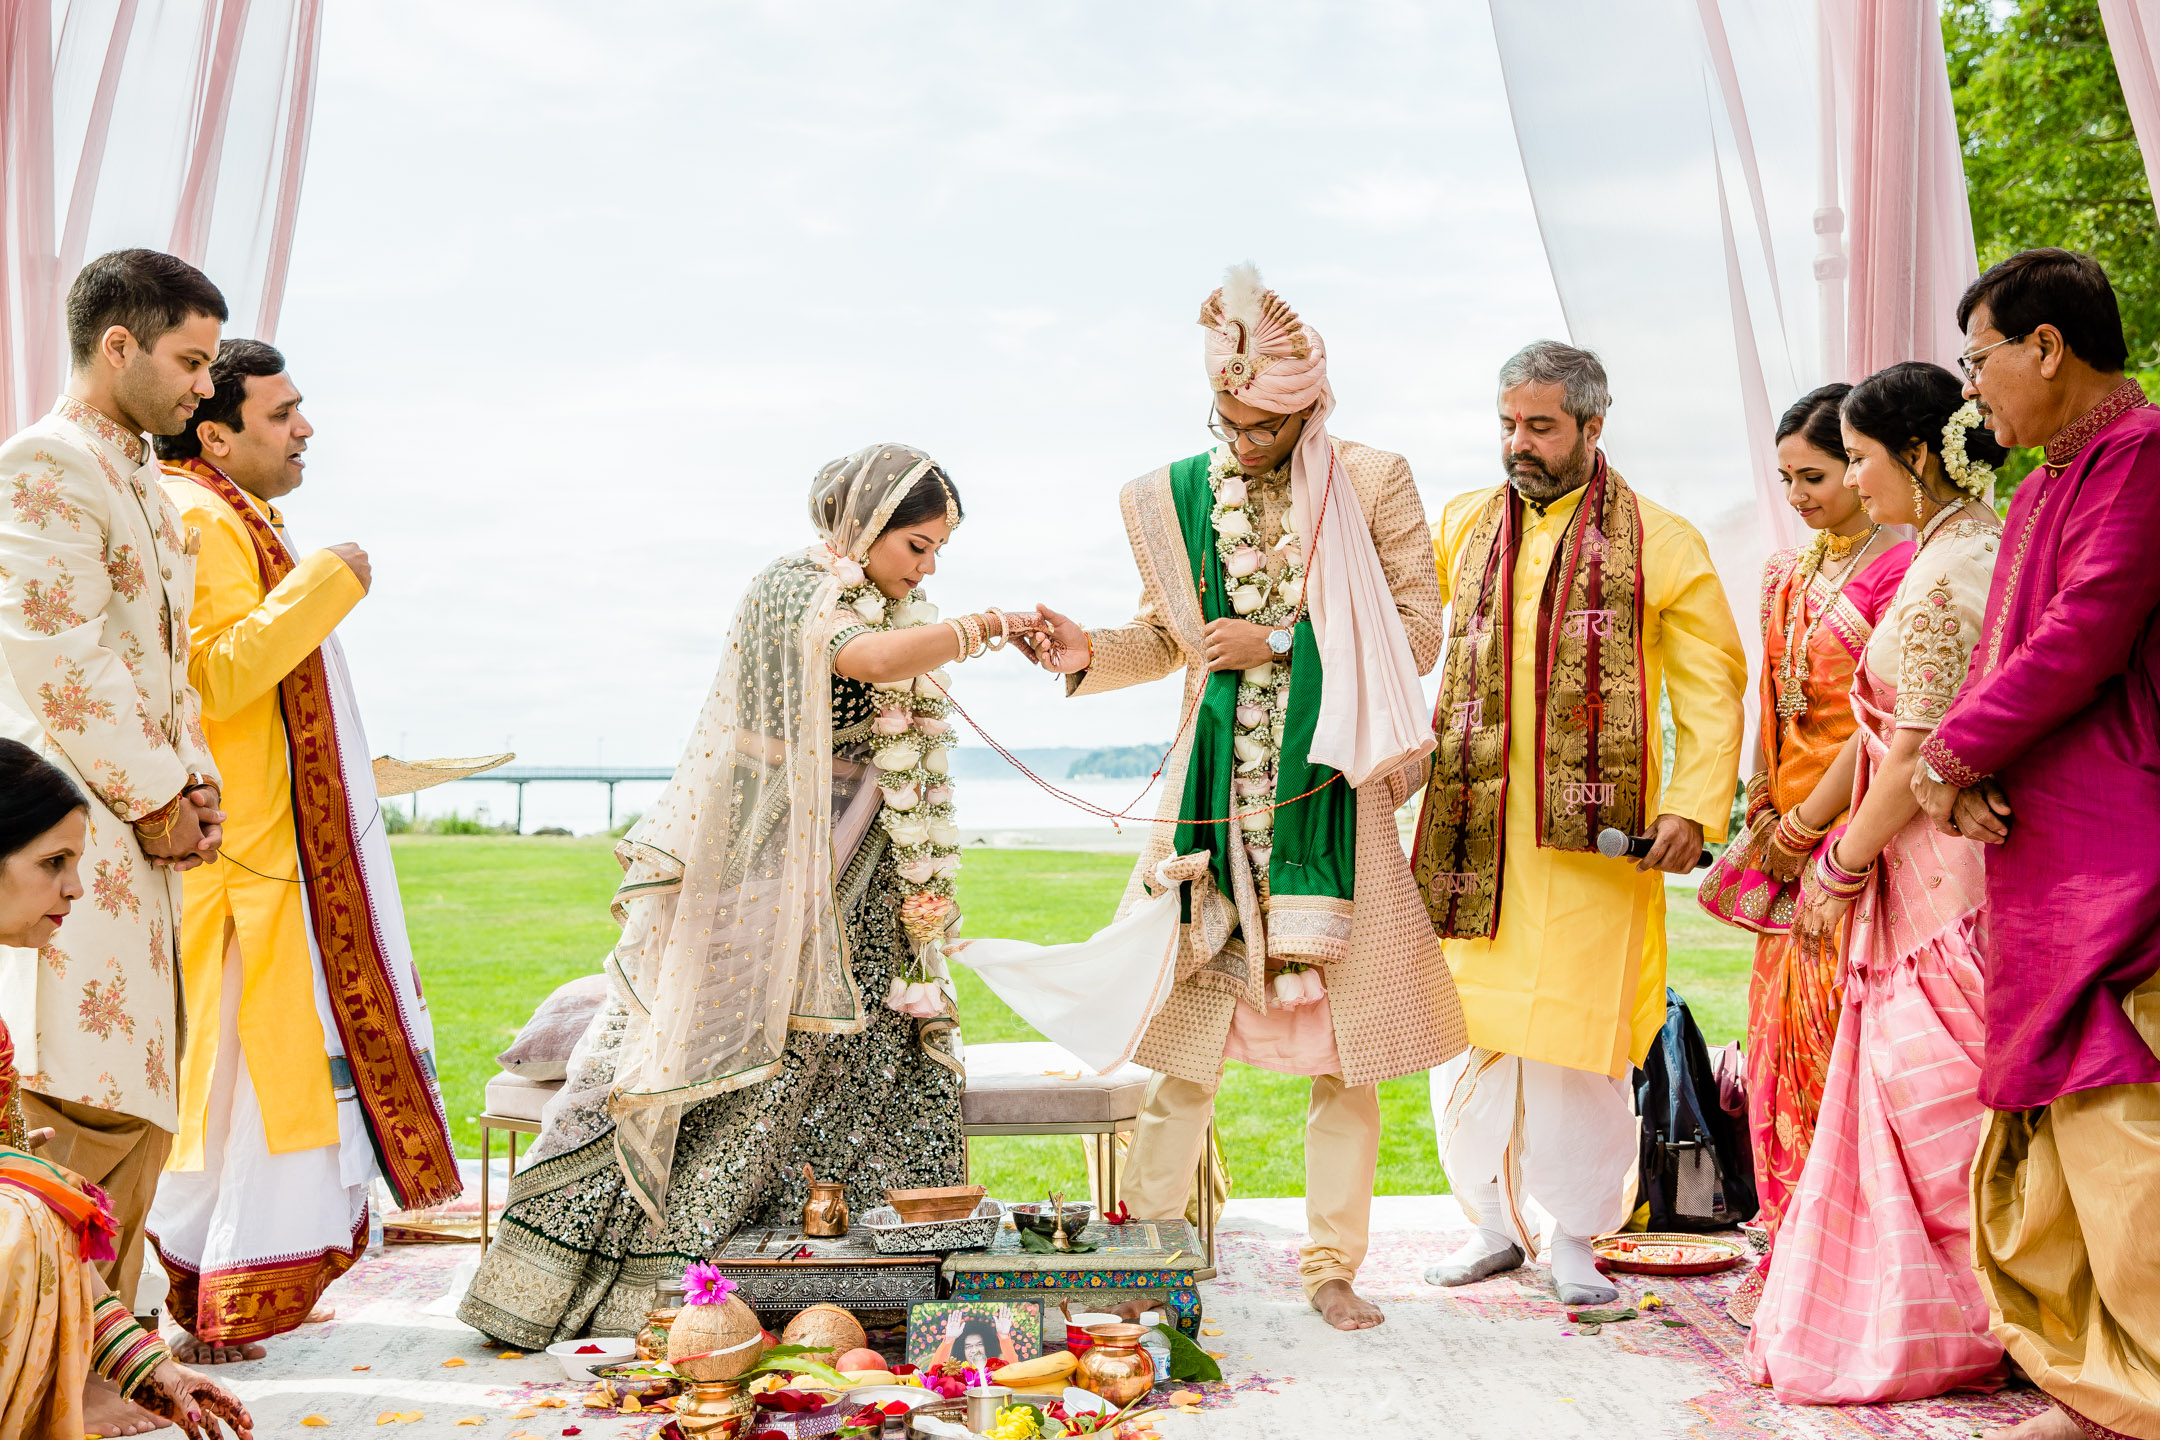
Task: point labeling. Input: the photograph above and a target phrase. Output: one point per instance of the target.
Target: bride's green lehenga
(577, 1254)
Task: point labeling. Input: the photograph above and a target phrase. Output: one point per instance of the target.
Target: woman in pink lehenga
(1871, 1294)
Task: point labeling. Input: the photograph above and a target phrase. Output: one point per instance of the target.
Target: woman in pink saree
(1819, 606)
(1871, 1294)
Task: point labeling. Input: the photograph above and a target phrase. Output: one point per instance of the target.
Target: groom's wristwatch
(1927, 768)
(1279, 641)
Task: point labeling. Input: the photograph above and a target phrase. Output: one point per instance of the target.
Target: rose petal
(362, 1367)
(470, 1420)
(552, 1404)
(313, 1420)
(510, 1355)
(1186, 1397)
(525, 1414)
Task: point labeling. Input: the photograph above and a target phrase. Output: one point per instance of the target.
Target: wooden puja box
(777, 1280)
(1156, 1261)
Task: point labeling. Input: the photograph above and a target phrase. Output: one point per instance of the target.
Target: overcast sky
(582, 296)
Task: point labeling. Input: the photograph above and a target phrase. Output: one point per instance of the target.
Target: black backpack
(1697, 1169)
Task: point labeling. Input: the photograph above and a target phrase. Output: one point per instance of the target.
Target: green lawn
(499, 921)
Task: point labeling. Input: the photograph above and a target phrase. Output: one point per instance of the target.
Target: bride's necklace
(1799, 627)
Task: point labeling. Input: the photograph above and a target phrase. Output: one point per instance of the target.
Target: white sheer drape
(2133, 31)
(180, 125)
(1740, 200)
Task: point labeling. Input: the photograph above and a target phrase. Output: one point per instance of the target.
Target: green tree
(2050, 158)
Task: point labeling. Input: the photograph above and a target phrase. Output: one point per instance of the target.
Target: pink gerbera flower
(703, 1284)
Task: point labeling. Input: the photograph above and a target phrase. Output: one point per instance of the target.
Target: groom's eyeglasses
(1229, 434)
(1972, 363)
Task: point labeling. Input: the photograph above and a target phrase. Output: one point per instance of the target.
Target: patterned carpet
(1496, 1361)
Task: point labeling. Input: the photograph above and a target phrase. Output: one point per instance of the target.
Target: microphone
(1619, 845)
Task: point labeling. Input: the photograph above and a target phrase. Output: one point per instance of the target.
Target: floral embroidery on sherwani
(90, 567)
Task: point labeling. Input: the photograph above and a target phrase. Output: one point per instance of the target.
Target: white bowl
(614, 1349)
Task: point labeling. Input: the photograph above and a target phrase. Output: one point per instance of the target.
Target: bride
(779, 996)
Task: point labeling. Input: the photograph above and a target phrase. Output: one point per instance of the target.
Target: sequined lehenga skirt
(575, 1254)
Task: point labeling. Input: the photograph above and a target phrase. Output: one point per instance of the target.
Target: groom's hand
(1060, 645)
(1237, 645)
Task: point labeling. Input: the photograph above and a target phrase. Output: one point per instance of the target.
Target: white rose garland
(912, 737)
(1263, 699)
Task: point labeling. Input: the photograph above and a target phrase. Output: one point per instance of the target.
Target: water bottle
(1156, 1344)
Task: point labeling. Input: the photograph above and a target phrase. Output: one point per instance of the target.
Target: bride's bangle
(960, 634)
(997, 641)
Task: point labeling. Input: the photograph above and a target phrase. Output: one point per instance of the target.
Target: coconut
(726, 1338)
(825, 1327)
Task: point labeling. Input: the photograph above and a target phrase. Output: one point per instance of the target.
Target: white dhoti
(1524, 1140)
(252, 1239)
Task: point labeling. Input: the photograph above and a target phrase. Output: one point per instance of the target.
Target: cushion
(1037, 1083)
(516, 1098)
(542, 1049)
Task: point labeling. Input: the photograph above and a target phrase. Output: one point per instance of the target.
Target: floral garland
(912, 741)
(1263, 698)
(1969, 475)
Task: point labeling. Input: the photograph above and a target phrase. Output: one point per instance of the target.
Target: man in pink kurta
(2051, 753)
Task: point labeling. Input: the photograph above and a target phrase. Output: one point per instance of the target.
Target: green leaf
(1036, 1244)
(787, 1360)
(1187, 1360)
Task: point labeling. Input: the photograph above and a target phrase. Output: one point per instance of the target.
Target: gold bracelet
(149, 828)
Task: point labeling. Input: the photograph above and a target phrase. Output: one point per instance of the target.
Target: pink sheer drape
(1740, 200)
(2133, 30)
(176, 124)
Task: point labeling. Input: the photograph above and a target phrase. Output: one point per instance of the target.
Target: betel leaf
(787, 1360)
(1187, 1360)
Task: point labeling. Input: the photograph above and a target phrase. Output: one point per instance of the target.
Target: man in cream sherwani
(95, 584)
(1308, 951)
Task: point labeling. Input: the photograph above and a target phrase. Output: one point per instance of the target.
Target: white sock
(1574, 1263)
(1490, 1238)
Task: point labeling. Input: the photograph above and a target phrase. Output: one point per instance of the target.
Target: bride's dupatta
(731, 937)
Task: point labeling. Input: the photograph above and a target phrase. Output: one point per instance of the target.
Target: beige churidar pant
(121, 1155)
(1342, 1154)
(2064, 1203)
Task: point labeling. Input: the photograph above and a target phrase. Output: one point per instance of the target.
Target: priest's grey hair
(1579, 373)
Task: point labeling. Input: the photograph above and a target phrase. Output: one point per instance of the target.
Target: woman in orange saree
(1819, 606)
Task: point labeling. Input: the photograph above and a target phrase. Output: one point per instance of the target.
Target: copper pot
(1115, 1367)
(717, 1410)
(825, 1215)
(652, 1340)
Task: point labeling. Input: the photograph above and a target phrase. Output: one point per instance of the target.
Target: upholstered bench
(511, 1104)
(1026, 1088)
(1037, 1088)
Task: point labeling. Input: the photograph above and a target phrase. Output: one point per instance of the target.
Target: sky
(582, 296)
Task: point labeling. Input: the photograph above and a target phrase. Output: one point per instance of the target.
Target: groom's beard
(1539, 483)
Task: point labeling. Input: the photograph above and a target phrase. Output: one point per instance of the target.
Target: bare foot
(190, 1351)
(321, 1314)
(1343, 1308)
(105, 1413)
(2055, 1424)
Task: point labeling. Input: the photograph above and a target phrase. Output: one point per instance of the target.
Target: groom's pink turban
(1372, 706)
(1258, 351)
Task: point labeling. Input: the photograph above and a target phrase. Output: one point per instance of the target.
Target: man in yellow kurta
(1573, 603)
(265, 1198)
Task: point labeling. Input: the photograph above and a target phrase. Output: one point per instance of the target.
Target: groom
(1291, 576)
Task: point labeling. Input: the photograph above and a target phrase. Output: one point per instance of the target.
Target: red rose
(993, 1364)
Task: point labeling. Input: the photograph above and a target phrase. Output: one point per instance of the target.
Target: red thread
(1114, 816)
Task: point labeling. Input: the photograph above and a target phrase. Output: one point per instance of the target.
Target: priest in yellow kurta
(300, 1076)
(1575, 603)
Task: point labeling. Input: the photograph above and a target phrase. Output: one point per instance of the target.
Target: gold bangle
(997, 643)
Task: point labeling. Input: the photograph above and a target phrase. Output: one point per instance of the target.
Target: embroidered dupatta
(1593, 718)
(392, 1078)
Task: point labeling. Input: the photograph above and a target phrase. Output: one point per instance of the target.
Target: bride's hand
(1058, 644)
